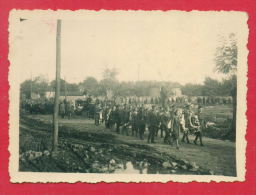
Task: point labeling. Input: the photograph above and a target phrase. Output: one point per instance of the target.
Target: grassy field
(218, 113)
(217, 156)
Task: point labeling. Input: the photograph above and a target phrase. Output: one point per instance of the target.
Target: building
(70, 96)
(176, 92)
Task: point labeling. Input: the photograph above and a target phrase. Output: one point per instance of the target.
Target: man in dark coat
(198, 122)
(125, 115)
(117, 118)
(163, 117)
(62, 109)
(153, 125)
(141, 120)
(134, 121)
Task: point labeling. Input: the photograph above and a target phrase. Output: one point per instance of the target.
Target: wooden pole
(57, 88)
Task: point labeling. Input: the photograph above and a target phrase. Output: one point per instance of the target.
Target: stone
(185, 162)
(112, 161)
(95, 165)
(194, 165)
(46, 153)
(174, 164)
(31, 156)
(166, 165)
(38, 154)
(92, 149)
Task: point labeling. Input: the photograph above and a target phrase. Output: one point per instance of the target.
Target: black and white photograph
(127, 96)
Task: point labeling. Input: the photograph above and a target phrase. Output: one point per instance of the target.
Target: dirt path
(216, 155)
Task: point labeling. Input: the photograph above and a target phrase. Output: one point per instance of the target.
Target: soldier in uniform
(153, 124)
(97, 114)
(117, 118)
(62, 109)
(188, 123)
(68, 109)
(163, 122)
(141, 120)
(111, 118)
(125, 120)
(198, 130)
(134, 120)
(176, 127)
(106, 113)
(199, 125)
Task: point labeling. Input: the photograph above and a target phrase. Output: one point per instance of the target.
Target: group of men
(171, 121)
(131, 117)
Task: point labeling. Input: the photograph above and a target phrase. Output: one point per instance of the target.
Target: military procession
(179, 117)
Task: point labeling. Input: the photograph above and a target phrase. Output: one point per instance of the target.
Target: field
(84, 147)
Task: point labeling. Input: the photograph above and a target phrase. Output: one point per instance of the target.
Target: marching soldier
(188, 123)
(198, 130)
(134, 120)
(106, 113)
(112, 117)
(177, 124)
(117, 118)
(125, 120)
(97, 115)
(62, 109)
(141, 120)
(153, 125)
(199, 124)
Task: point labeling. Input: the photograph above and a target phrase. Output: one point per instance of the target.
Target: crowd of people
(133, 118)
(171, 121)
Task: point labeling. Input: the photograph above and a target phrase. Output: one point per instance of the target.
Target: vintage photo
(128, 96)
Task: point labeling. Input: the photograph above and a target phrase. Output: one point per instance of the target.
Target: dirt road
(218, 156)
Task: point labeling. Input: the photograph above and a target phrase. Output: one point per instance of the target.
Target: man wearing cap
(199, 125)
(188, 123)
(153, 124)
(141, 120)
(117, 118)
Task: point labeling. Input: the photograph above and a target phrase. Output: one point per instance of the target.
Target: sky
(142, 45)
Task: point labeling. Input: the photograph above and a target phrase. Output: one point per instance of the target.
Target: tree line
(90, 85)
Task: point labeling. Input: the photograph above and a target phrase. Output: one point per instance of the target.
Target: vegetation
(90, 85)
(226, 62)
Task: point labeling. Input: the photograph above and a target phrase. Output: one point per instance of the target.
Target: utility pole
(57, 88)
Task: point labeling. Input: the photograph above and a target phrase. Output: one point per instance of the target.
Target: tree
(37, 85)
(211, 87)
(192, 90)
(109, 81)
(226, 62)
(110, 74)
(90, 85)
(226, 55)
(62, 85)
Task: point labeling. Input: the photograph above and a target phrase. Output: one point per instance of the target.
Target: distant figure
(176, 126)
(62, 109)
(153, 125)
(68, 109)
(188, 123)
(197, 128)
